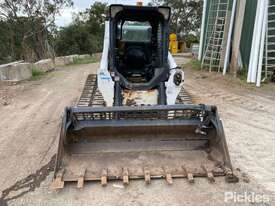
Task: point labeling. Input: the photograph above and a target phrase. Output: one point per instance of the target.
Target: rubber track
(92, 97)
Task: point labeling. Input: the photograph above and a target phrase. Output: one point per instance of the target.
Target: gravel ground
(30, 121)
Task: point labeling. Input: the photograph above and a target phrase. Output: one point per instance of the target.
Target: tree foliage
(27, 26)
(85, 34)
(186, 16)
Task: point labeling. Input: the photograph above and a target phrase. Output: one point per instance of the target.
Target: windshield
(136, 31)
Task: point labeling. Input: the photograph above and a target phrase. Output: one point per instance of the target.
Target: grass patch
(86, 60)
(36, 73)
(242, 74)
(193, 64)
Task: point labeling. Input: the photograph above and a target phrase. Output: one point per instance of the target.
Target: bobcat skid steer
(134, 119)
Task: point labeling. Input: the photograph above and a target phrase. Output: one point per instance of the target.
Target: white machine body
(106, 83)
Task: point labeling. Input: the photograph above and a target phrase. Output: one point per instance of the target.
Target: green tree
(29, 23)
(186, 16)
(4, 43)
(85, 34)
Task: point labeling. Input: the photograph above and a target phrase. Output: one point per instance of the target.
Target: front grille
(175, 112)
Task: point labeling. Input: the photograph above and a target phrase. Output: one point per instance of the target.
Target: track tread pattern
(92, 97)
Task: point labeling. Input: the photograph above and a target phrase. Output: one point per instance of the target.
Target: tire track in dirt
(27, 184)
(31, 124)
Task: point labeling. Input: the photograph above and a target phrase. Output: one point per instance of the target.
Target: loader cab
(134, 43)
(139, 46)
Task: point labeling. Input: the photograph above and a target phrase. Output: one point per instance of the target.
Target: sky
(80, 5)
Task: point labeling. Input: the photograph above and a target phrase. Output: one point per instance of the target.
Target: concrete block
(15, 71)
(97, 56)
(67, 60)
(70, 59)
(84, 56)
(45, 65)
(60, 61)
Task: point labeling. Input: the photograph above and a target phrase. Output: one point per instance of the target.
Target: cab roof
(130, 12)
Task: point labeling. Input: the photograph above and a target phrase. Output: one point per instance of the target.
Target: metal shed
(245, 39)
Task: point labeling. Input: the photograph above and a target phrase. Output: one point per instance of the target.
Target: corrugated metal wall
(247, 31)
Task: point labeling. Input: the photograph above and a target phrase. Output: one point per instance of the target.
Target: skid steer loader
(134, 119)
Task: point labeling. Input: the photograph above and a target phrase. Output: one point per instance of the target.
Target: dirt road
(249, 119)
(30, 116)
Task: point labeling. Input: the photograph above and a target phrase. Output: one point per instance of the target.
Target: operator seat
(135, 60)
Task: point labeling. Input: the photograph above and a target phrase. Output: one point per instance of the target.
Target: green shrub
(37, 73)
(242, 74)
(193, 64)
(191, 39)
